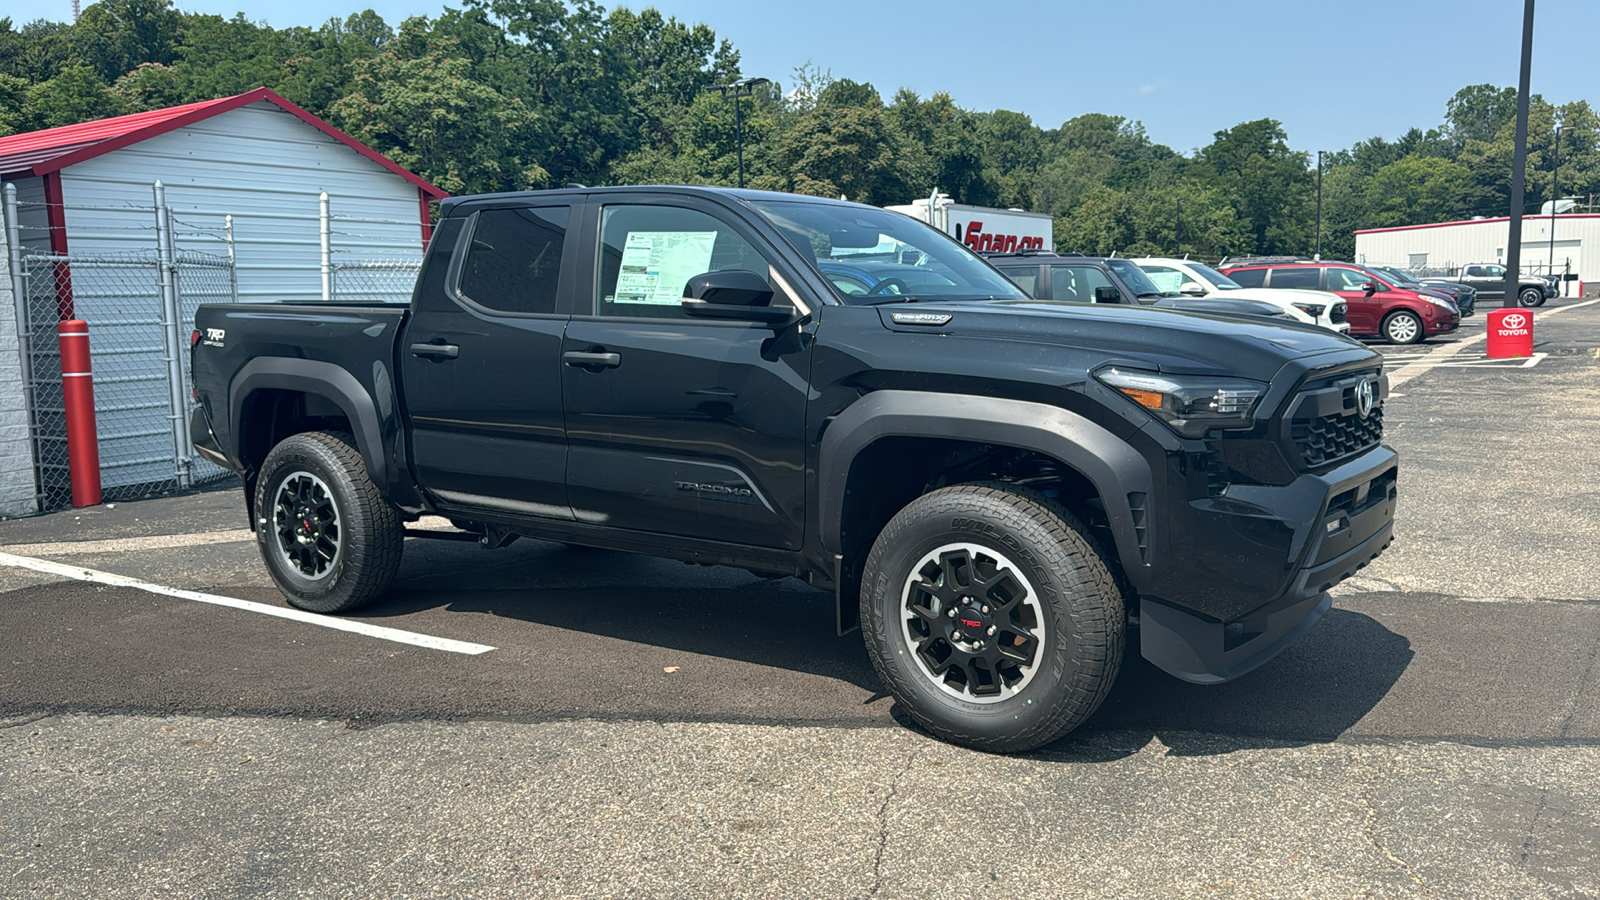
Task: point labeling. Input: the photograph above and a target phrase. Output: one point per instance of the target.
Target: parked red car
(1377, 307)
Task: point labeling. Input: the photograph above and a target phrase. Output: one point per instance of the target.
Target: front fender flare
(1117, 471)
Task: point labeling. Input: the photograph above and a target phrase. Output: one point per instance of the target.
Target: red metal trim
(427, 218)
(55, 216)
(1563, 217)
(225, 105)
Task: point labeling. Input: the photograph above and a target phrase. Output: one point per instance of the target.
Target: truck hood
(1173, 341)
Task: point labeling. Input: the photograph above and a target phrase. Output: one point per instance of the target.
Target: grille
(1336, 315)
(1323, 439)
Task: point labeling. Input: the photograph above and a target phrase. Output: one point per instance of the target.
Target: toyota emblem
(1364, 397)
(1515, 320)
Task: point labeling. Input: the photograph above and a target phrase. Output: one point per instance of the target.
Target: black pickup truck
(996, 488)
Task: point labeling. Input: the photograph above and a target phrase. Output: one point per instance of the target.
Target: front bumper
(1286, 547)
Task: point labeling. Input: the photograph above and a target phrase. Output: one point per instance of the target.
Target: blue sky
(1333, 73)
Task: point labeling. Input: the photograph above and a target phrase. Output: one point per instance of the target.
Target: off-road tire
(1527, 298)
(1084, 613)
(1398, 321)
(371, 535)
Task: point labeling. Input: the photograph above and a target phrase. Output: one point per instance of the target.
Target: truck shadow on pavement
(1320, 687)
(1313, 692)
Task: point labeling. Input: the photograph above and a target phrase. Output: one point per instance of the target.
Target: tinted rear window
(1249, 277)
(1296, 277)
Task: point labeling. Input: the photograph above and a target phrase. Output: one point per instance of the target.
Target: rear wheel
(992, 616)
(1402, 327)
(328, 538)
(1530, 297)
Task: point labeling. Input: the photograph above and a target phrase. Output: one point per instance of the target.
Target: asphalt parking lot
(645, 728)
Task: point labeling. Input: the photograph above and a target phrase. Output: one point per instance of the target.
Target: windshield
(1134, 277)
(1402, 276)
(875, 256)
(1218, 280)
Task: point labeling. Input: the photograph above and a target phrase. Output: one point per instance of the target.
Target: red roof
(54, 149)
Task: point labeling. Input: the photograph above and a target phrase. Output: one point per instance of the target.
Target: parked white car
(1196, 279)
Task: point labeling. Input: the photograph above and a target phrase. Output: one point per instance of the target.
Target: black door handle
(436, 351)
(591, 361)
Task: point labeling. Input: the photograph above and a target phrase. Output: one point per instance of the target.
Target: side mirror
(1369, 287)
(734, 294)
(1107, 294)
(1190, 289)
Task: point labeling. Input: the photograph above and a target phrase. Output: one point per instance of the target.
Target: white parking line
(428, 641)
(1412, 369)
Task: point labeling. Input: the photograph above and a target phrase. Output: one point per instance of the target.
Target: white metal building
(84, 196)
(1447, 246)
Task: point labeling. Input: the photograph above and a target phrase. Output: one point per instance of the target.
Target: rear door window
(1296, 277)
(513, 262)
(1249, 277)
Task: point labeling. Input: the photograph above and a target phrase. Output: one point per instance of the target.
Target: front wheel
(992, 616)
(328, 538)
(1402, 328)
(1530, 297)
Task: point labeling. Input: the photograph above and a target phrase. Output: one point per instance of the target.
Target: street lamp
(744, 87)
(1319, 205)
(1555, 200)
(1519, 160)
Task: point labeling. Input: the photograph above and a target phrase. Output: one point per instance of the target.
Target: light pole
(1318, 255)
(1519, 162)
(744, 87)
(1555, 198)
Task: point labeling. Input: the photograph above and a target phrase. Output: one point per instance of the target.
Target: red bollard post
(1510, 333)
(77, 387)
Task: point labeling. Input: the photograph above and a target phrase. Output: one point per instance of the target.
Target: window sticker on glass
(657, 264)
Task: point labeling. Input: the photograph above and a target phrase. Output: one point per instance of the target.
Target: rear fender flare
(324, 380)
(1117, 471)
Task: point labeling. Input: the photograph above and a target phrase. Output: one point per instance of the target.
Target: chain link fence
(140, 420)
(375, 280)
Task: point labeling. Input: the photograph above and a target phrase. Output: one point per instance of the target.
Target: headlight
(1314, 310)
(1436, 301)
(1191, 405)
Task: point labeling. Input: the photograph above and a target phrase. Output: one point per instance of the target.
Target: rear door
(1027, 278)
(481, 362)
(681, 426)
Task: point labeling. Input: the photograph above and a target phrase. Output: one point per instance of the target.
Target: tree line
(519, 94)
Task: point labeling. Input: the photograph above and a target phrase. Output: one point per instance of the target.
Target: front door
(1363, 310)
(681, 426)
(481, 363)
(1489, 281)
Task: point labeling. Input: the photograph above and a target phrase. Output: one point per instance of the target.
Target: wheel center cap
(970, 623)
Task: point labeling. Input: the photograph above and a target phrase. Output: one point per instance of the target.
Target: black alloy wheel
(992, 616)
(329, 539)
(306, 521)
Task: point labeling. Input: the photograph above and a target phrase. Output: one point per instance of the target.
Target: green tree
(1418, 189)
(833, 151)
(1269, 183)
(936, 145)
(427, 108)
(1478, 112)
(114, 36)
(76, 95)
